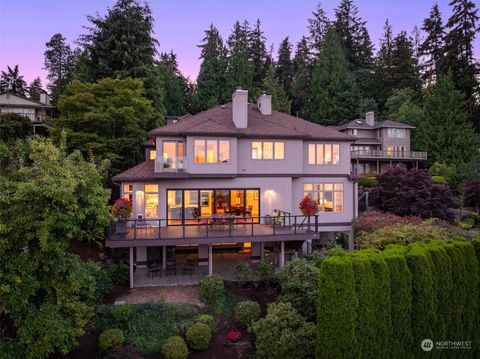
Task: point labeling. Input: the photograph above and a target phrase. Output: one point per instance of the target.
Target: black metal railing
(282, 223)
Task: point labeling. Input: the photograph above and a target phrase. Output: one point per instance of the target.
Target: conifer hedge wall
(383, 304)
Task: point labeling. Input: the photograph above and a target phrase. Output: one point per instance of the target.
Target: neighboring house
(37, 111)
(230, 179)
(380, 144)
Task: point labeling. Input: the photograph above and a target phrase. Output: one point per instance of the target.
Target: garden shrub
(298, 281)
(423, 295)
(401, 301)
(382, 309)
(439, 180)
(198, 336)
(404, 234)
(212, 289)
(103, 283)
(111, 338)
(246, 313)
(119, 273)
(365, 291)
(442, 279)
(122, 314)
(175, 348)
(471, 287)
(336, 309)
(369, 222)
(284, 333)
(206, 319)
(367, 181)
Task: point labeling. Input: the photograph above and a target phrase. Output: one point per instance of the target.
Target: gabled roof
(30, 102)
(361, 124)
(217, 121)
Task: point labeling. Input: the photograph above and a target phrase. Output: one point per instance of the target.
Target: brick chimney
(264, 104)
(240, 108)
(370, 118)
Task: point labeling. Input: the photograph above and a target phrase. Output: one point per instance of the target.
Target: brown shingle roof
(361, 124)
(217, 121)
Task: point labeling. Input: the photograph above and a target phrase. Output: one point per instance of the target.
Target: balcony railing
(382, 154)
(221, 227)
(169, 164)
(35, 118)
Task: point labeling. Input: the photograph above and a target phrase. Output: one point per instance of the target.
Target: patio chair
(154, 269)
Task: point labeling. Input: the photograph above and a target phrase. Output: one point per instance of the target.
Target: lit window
(153, 154)
(329, 196)
(151, 201)
(212, 151)
(319, 154)
(199, 151)
(268, 150)
(128, 191)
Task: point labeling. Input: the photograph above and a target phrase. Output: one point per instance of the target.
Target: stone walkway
(172, 294)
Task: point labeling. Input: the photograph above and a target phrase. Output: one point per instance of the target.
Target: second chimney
(240, 108)
(264, 104)
(370, 118)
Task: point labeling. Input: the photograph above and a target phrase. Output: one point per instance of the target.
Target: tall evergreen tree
(317, 27)
(272, 86)
(60, 61)
(12, 81)
(353, 34)
(212, 81)
(334, 96)
(462, 28)
(284, 66)
(383, 81)
(120, 45)
(404, 66)
(34, 89)
(432, 48)
(240, 68)
(258, 54)
(446, 131)
(302, 65)
(176, 86)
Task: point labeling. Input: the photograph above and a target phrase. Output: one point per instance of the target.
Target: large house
(380, 144)
(37, 112)
(228, 182)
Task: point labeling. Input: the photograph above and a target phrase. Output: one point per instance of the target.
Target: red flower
(122, 208)
(234, 335)
(308, 206)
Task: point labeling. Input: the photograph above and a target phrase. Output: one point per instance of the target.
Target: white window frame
(274, 144)
(218, 151)
(397, 133)
(322, 160)
(333, 184)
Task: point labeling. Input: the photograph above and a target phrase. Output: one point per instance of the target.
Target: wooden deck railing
(381, 154)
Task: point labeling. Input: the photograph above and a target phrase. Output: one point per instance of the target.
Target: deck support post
(164, 257)
(210, 260)
(131, 267)
(378, 167)
(351, 245)
(282, 254)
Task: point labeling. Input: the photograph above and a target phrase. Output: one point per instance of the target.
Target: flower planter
(121, 227)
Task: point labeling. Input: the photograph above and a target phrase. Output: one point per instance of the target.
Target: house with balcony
(380, 144)
(38, 112)
(225, 185)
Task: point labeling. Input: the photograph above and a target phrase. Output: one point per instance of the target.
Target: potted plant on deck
(308, 207)
(121, 210)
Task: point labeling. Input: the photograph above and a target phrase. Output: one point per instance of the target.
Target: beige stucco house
(227, 182)
(380, 144)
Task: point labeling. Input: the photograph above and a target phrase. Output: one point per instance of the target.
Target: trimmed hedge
(246, 313)
(401, 301)
(198, 336)
(111, 338)
(336, 309)
(367, 182)
(212, 289)
(175, 348)
(383, 304)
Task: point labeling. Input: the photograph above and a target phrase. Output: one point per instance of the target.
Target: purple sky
(26, 25)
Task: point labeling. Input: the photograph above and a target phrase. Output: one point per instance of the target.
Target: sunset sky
(26, 25)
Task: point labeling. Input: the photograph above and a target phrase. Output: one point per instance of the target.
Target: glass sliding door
(237, 202)
(174, 206)
(206, 203)
(252, 204)
(191, 212)
(222, 202)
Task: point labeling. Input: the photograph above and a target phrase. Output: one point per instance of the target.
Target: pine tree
(212, 81)
(60, 61)
(175, 85)
(459, 60)
(404, 69)
(302, 64)
(284, 66)
(446, 132)
(272, 86)
(12, 81)
(240, 68)
(258, 54)
(317, 27)
(334, 96)
(382, 81)
(432, 48)
(34, 89)
(353, 34)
